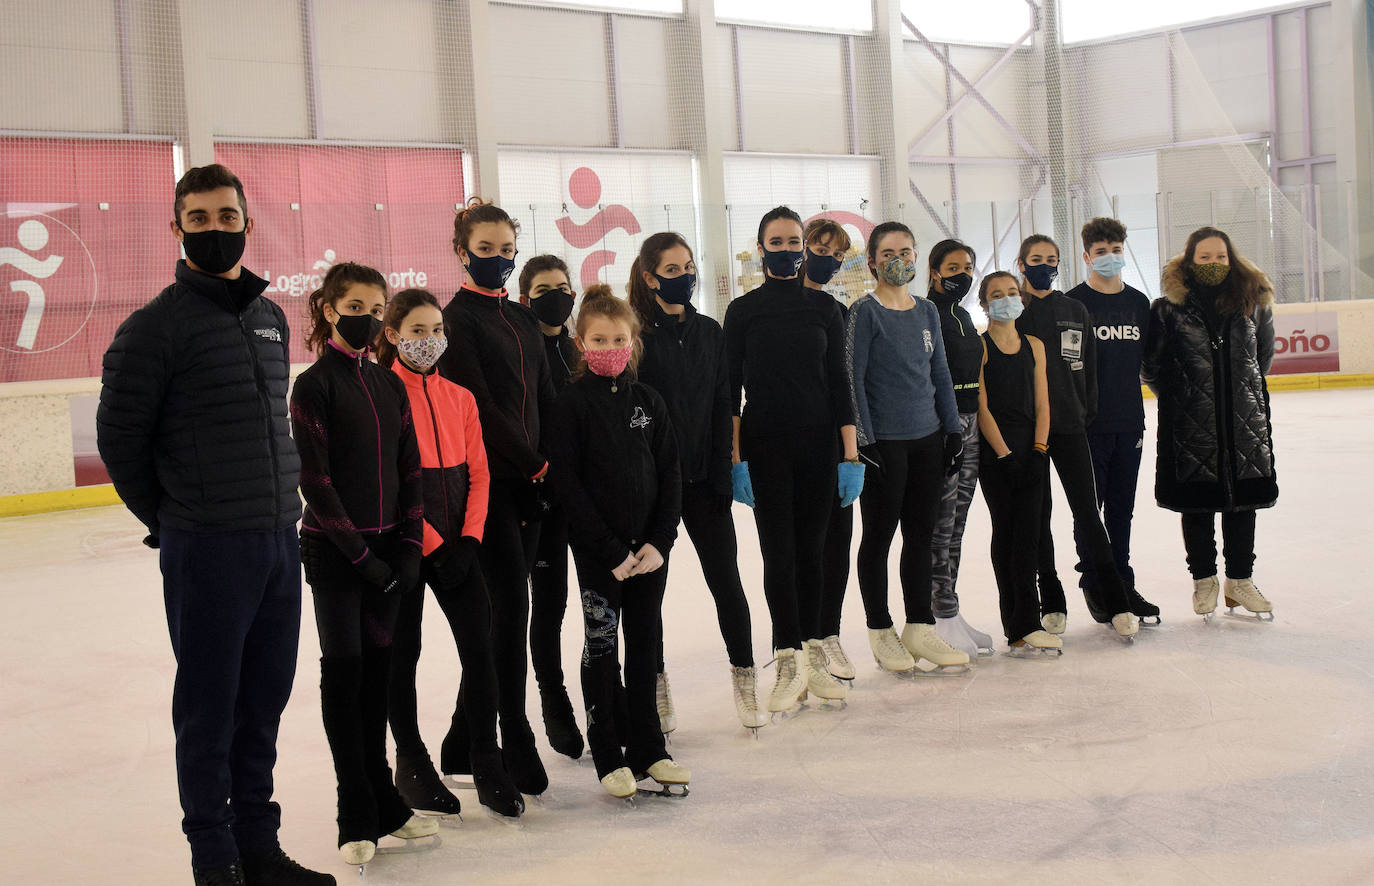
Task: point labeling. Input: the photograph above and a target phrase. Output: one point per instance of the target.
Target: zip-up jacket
(1216, 447)
(192, 424)
(360, 466)
(1062, 325)
(1118, 322)
(785, 347)
(897, 367)
(496, 351)
(963, 350)
(453, 461)
(562, 357)
(685, 363)
(614, 467)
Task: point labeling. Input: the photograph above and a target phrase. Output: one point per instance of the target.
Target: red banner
(1306, 341)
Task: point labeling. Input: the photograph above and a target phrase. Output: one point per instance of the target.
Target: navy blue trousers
(1116, 468)
(234, 614)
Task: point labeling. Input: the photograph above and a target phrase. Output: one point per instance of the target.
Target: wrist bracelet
(1042, 447)
(853, 461)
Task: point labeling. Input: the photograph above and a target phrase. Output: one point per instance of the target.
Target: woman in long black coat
(1207, 350)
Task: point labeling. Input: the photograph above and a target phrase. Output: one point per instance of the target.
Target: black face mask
(358, 330)
(214, 252)
(956, 287)
(553, 307)
(676, 290)
(490, 272)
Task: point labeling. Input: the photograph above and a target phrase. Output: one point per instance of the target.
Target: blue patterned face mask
(897, 271)
(1007, 308)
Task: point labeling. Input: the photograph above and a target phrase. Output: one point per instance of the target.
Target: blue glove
(851, 483)
(741, 485)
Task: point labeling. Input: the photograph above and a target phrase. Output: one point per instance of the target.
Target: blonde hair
(600, 301)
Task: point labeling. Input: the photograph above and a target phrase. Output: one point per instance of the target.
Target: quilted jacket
(1215, 440)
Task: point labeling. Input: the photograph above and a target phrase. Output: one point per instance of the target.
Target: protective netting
(354, 125)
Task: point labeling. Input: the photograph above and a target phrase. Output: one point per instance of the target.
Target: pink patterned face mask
(608, 363)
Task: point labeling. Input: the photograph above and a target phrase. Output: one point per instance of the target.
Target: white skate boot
(1205, 596)
(1037, 644)
(358, 852)
(620, 784)
(1126, 625)
(889, 652)
(982, 641)
(417, 826)
(668, 775)
(841, 668)
(1242, 592)
(924, 644)
(747, 700)
(790, 687)
(819, 681)
(954, 632)
(1054, 622)
(663, 698)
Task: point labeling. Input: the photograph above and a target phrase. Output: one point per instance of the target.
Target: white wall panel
(257, 60)
(793, 92)
(550, 77)
(647, 86)
(57, 76)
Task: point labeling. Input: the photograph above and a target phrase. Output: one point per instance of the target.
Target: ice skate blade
(445, 819)
(986, 651)
(1128, 639)
(826, 704)
(934, 670)
(406, 847)
(1247, 615)
(1207, 617)
(1146, 620)
(1034, 653)
(665, 791)
(790, 714)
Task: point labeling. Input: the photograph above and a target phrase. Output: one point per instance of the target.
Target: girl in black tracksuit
(616, 472)
(785, 347)
(684, 360)
(360, 543)
(546, 288)
(1014, 420)
(497, 353)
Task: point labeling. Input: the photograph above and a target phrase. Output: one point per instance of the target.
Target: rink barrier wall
(37, 472)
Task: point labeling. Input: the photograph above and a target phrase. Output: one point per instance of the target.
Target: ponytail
(335, 287)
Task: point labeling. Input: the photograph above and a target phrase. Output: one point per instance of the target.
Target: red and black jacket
(453, 460)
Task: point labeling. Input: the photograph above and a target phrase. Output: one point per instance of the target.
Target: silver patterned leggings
(947, 540)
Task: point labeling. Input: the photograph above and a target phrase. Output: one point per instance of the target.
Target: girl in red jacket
(453, 465)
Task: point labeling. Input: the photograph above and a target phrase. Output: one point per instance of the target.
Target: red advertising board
(83, 241)
(1306, 341)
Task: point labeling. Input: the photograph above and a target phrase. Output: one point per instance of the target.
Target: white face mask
(422, 353)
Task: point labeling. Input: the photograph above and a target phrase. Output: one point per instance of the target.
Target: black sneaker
(229, 875)
(420, 787)
(275, 868)
(559, 724)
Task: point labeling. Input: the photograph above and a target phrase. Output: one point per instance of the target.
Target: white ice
(1230, 752)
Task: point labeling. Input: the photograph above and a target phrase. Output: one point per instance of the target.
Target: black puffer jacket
(685, 363)
(1215, 442)
(192, 423)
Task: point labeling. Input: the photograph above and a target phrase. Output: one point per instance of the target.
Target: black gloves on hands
(954, 450)
(453, 560)
(377, 572)
(407, 568)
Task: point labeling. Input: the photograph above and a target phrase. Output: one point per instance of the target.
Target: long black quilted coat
(1215, 442)
(192, 423)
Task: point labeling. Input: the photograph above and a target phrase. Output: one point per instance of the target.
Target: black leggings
(711, 527)
(1237, 538)
(907, 491)
(839, 537)
(468, 610)
(1074, 463)
(608, 606)
(794, 479)
(549, 601)
(509, 541)
(1016, 532)
(356, 622)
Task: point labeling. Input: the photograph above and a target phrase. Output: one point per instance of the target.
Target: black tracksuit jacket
(1063, 327)
(963, 350)
(685, 363)
(496, 351)
(192, 424)
(613, 462)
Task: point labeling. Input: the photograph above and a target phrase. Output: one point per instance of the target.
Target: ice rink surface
(1230, 752)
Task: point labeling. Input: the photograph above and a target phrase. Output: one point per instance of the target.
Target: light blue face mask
(1007, 308)
(1109, 266)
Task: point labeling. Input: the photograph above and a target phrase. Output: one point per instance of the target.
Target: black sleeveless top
(1009, 381)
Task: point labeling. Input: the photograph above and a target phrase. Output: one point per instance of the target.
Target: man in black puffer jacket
(193, 429)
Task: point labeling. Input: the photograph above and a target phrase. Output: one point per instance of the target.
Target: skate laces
(787, 667)
(746, 695)
(891, 645)
(834, 652)
(663, 697)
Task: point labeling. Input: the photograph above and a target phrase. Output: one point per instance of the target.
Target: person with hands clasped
(908, 427)
(453, 465)
(1014, 419)
(1065, 331)
(684, 361)
(497, 354)
(616, 473)
(785, 347)
(361, 539)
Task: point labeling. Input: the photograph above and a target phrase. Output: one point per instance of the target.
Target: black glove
(954, 450)
(407, 568)
(532, 503)
(377, 572)
(152, 541)
(870, 456)
(453, 560)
